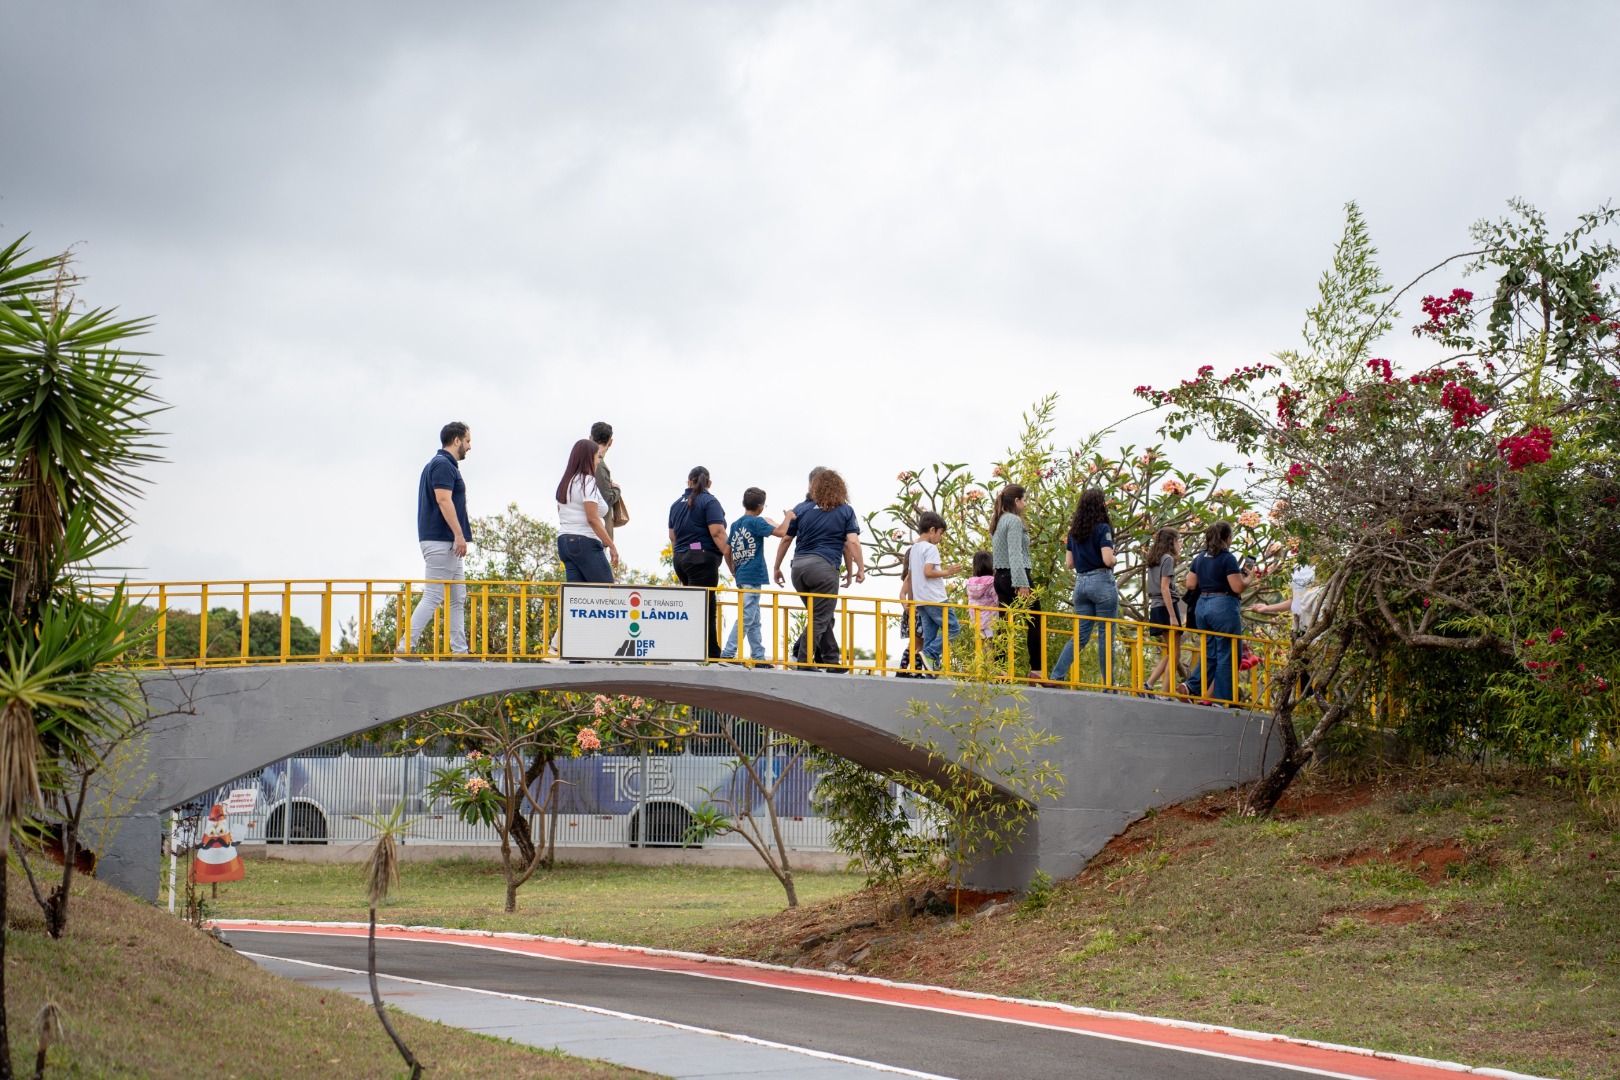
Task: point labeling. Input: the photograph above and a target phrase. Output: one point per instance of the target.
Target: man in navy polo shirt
(442, 528)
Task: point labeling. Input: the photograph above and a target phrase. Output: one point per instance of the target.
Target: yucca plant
(382, 874)
(75, 407)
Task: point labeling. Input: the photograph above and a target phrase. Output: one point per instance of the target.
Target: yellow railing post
(326, 621)
(163, 624)
(202, 626)
(247, 618)
(286, 620)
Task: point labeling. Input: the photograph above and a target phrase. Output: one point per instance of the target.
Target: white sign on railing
(633, 622)
(242, 801)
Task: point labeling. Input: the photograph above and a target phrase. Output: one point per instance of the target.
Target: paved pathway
(687, 1016)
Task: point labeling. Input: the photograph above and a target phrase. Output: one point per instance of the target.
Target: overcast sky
(752, 236)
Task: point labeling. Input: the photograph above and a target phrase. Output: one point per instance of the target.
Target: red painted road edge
(1178, 1035)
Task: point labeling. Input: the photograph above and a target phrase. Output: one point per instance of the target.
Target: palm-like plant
(74, 414)
(382, 874)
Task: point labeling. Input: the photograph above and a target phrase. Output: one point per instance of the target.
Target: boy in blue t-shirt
(747, 540)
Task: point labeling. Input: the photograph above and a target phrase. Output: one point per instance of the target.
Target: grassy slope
(144, 995)
(1476, 923)
(600, 902)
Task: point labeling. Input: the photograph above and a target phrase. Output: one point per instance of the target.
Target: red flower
(1556, 636)
(1531, 448)
(1465, 408)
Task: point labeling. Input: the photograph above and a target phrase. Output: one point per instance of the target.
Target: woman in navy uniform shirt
(697, 540)
(1090, 554)
(1220, 581)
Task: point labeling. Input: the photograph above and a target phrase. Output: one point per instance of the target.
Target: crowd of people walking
(823, 534)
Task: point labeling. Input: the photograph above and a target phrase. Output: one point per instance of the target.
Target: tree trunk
(376, 1002)
(511, 892)
(5, 1036)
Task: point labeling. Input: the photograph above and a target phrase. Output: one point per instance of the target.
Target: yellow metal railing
(227, 624)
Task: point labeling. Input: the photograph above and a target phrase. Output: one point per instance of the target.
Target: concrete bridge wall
(1121, 755)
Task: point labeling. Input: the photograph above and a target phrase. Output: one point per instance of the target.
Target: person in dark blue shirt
(1090, 554)
(1220, 581)
(697, 539)
(825, 533)
(442, 530)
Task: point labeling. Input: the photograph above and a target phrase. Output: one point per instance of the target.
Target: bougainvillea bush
(1456, 486)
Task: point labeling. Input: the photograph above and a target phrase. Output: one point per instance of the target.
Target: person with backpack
(698, 545)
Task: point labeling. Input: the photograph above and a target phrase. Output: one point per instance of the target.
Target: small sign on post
(242, 801)
(634, 622)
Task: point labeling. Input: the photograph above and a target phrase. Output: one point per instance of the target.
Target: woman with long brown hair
(1090, 554)
(583, 542)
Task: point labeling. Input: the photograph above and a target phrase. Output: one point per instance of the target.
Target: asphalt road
(963, 1047)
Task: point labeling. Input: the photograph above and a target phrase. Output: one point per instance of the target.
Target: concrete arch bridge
(223, 711)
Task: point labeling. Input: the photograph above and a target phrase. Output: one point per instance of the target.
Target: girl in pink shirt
(981, 591)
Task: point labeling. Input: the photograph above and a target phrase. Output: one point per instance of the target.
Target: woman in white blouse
(583, 541)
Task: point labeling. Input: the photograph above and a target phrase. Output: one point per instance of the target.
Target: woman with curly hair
(825, 533)
(1089, 552)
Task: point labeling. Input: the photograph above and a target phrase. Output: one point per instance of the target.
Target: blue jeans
(750, 622)
(1221, 614)
(931, 619)
(1095, 594)
(584, 559)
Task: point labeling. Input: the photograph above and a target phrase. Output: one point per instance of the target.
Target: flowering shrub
(1531, 448)
(1412, 493)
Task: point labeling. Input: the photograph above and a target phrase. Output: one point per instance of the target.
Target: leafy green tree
(181, 630)
(729, 809)
(989, 776)
(868, 819)
(512, 741)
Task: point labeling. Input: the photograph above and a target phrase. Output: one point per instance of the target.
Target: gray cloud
(752, 235)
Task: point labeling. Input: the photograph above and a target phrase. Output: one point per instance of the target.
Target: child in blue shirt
(747, 539)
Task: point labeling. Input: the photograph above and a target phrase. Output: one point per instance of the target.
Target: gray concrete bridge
(1121, 755)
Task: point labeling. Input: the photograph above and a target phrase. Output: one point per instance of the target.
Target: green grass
(144, 995)
(640, 905)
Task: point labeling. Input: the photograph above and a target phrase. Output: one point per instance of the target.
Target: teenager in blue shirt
(1220, 581)
(1090, 554)
(827, 535)
(748, 567)
(697, 538)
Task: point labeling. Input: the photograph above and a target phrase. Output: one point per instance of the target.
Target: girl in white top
(583, 542)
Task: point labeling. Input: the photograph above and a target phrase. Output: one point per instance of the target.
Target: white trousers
(441, 564)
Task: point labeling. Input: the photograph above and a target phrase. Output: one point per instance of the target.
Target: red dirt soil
(1430, 862)
(1389, 915)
